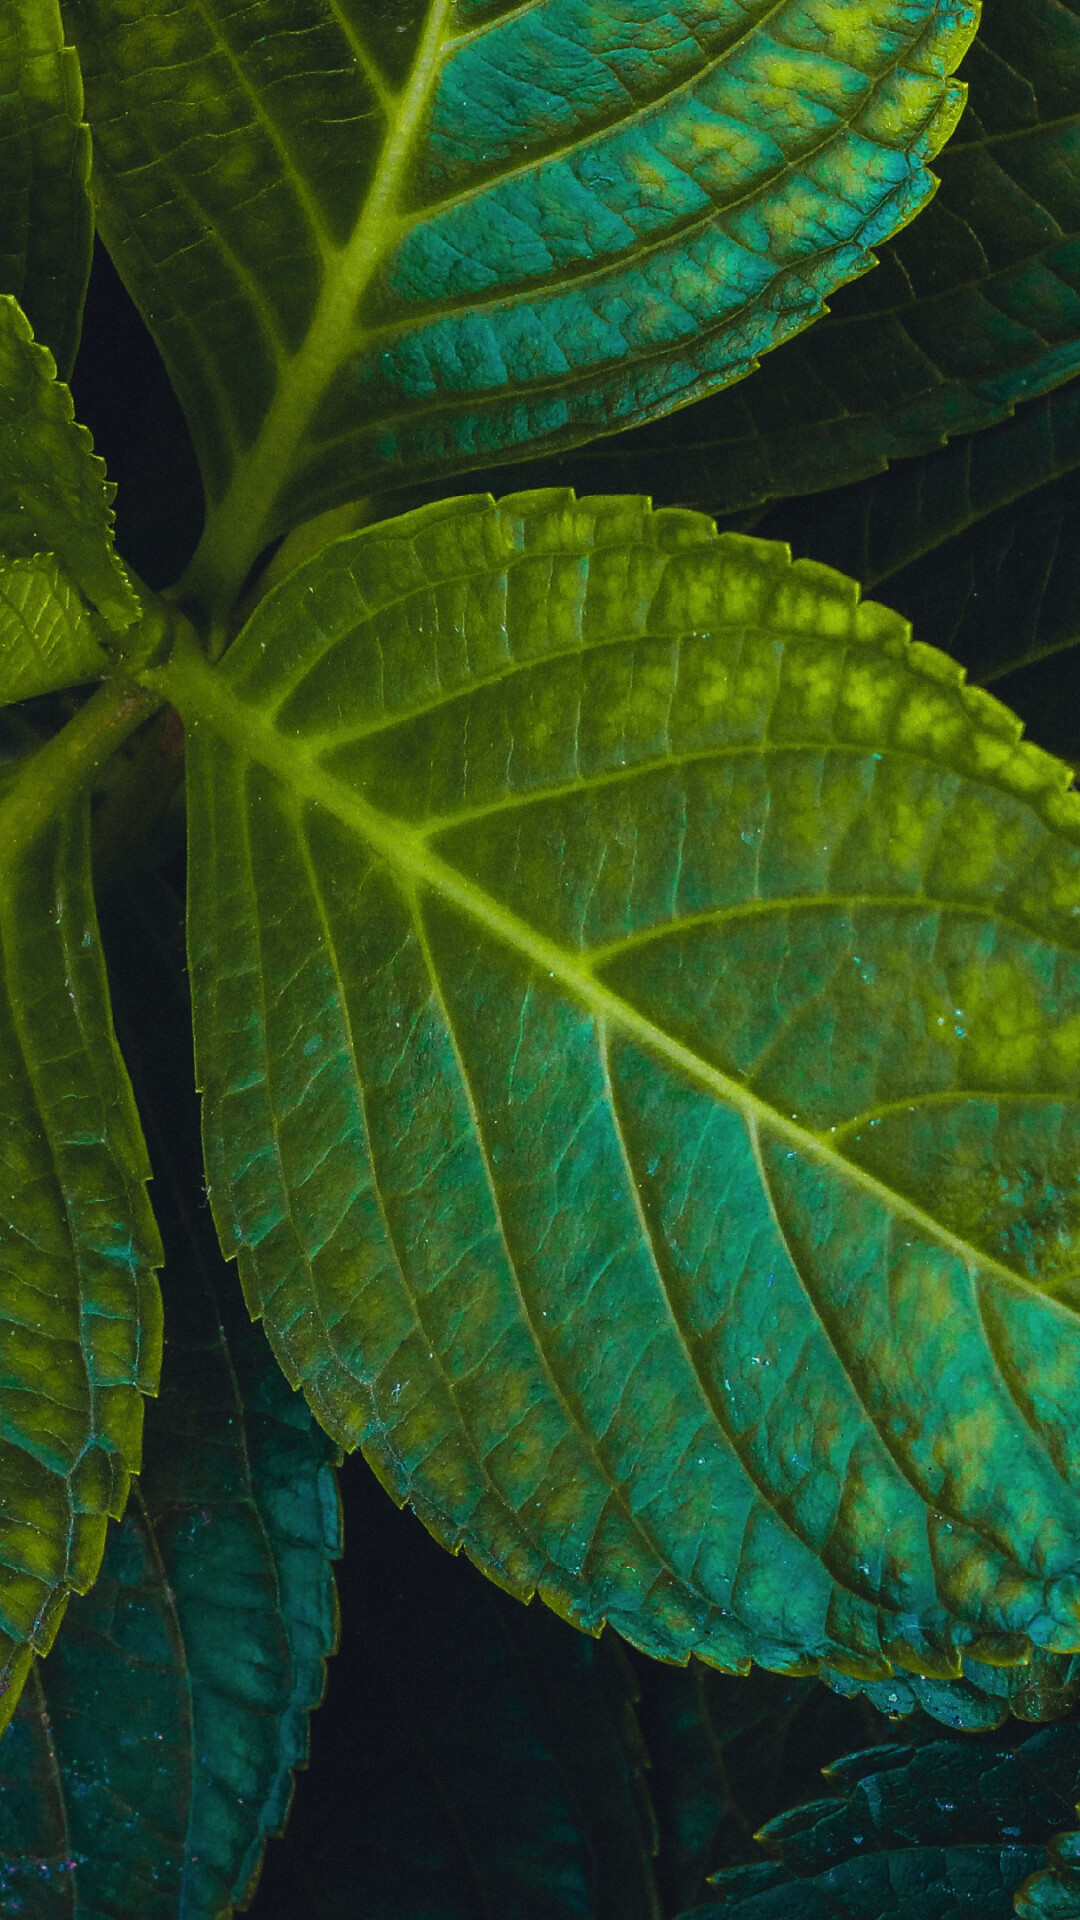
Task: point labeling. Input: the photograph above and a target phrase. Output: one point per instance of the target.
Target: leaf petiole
(52, 777)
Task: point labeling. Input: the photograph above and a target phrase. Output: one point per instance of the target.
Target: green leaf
(948, 1830)
(476, 1759)
(34, 1841)
(47, 638)
(381, 244)
(973, 308)
(238, 1480)
(637, 1007)
(974, 543)
(80, 1312)
(46, 219)
(178, 1691)
(54, 497)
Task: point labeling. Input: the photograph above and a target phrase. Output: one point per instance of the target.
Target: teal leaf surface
(637, 1001)
(54, 497)
(950, 1831)
(110, 1711)
(78, 1245)
(974, 308)
(1041, 1686)
(46, 219)
(35, 1851)
(380, 245)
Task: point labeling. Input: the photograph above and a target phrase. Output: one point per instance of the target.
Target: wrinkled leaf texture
(158, 1741)
(976, 545)
(973, 308)
(46, 219)
(636, 1007)
(375, 245)
(983, 1696)
(47, 639)
(950, 1831)
(79, 1304)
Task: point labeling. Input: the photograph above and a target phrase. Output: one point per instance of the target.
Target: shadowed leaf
(674, 1187)
(54, 497)
(476, 1758)
(178, 1691)
(46, 220)
(35, 1853)
(943, 1833)
(81, 1314)
(724, 1751)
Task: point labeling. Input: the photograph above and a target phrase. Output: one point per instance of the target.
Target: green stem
(59, 770)
(240, 525)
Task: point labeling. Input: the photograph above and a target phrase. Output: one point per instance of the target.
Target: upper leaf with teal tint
(942, 1833)
(46, 219)
(79, 1305)
(379, 244)
(974, 307)
(637, 1003)
(54, 497)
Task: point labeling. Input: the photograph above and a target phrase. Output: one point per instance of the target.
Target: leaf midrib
(234, 529)
(204, 698)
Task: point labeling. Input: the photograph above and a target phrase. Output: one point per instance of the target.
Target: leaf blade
(81, 1300)
(529, 267)
(53, 496)
(177, 1694)
(46, 217)
(914, 1833)
(973, 310)
(373, 832)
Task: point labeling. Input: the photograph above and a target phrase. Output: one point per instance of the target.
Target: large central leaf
(637, 1001)
(377, 243)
